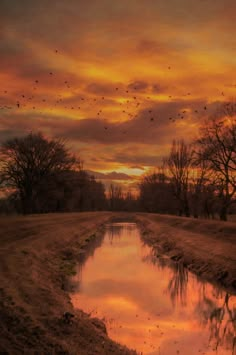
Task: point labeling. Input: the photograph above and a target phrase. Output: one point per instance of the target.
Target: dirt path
(38, 254)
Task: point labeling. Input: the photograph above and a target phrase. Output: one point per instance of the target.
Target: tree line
(197, 179)
(43, 176)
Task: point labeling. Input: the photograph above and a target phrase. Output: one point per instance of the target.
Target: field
(38, 254)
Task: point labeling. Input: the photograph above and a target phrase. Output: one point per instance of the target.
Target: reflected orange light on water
(151, 304)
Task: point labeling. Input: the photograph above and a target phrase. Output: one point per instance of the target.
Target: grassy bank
(39, 253)
(37, 256)
(207, 248)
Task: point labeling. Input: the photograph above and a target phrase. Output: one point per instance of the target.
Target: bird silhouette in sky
(136, 99)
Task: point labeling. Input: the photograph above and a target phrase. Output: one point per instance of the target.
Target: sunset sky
(118, 79)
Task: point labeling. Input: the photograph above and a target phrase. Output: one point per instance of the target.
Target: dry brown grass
(206, 247)
(38, 254)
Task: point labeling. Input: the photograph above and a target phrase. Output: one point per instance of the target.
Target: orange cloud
(119, 79)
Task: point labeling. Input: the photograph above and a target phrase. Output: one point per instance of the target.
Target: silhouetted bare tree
(179, 163)
(71, 191)
(200, 181)
(30, 162)
(155, 193)
(218, 149)
(118, 200)
(115, 197)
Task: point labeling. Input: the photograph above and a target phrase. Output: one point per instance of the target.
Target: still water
(150, 303)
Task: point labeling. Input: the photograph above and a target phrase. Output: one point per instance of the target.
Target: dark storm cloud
(13, 52)
(54, 20)
(18, 59)
(157, 88)
(147, 46)
(110, 176)
(127, 156)
(141, 129)
(103, 88)
(138, 85)
(112, 49)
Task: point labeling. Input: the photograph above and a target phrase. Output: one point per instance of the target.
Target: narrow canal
(150, 303)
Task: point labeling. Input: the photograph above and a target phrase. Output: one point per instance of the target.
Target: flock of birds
(132, 101)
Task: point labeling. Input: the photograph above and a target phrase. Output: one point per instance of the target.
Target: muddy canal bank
(39, 253)
(149, 302)
(206, 248)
